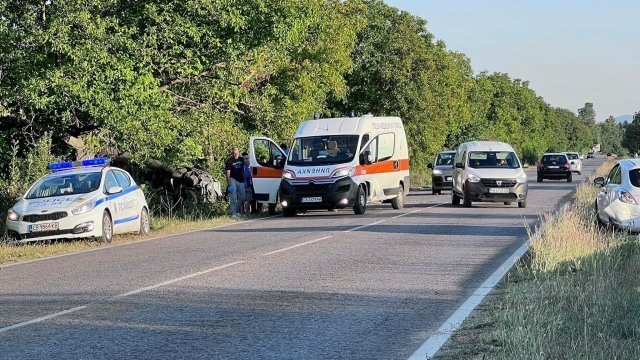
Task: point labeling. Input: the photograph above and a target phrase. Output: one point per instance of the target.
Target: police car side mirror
(459, 166)
(429, 166)
(114, 190)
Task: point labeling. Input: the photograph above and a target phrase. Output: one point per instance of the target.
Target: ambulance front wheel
(361, 201)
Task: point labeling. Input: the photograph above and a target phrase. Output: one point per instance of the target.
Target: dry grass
(577, 296)
(161, 226)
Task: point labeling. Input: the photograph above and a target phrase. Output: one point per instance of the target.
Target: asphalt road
(319, 286)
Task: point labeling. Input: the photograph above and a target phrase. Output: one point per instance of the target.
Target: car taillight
(626, 197)
(567, 165)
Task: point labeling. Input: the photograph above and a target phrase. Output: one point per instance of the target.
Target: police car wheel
(107, 228)
(145, 226)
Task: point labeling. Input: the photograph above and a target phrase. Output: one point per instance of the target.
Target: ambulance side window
(365, 139)
(109, 182)
(123, 180)
(386, 146)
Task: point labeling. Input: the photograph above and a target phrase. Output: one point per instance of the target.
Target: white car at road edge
(617, 203)
(81, 199)
(576, 161)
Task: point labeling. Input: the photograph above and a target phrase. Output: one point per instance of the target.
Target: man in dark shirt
(234, 169)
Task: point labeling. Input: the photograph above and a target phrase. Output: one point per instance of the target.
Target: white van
(332, 164)
(488, 171)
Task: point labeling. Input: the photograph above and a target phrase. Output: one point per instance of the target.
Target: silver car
(576, 162)
(617, 201)
(442, 172)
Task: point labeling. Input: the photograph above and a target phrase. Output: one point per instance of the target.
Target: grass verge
(160, 226)
(576, 295)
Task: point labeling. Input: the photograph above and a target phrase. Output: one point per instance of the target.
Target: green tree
(631, 140)
(611, 136)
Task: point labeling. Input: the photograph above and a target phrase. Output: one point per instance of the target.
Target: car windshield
(71, 184)
(493, 159)
(445, 158)
(323, 150)
(573, 156)
(554, 159)
(634, 176)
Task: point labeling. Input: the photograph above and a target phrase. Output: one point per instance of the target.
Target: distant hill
(622, 118)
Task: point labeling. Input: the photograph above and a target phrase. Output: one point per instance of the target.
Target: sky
(570, 51)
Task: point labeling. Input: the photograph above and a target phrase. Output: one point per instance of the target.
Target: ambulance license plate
(311, 199)
(499, 190)
(44, 227)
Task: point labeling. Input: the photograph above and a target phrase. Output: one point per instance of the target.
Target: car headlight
(521, 179)
(344, 172)
(626, 197)
(83, 208)
(288, 174)
(473, 178)
(437, 172)
(12, 215)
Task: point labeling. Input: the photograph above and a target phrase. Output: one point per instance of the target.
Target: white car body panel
(610, 209)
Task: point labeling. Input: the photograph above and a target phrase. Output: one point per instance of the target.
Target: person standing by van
(234, 169)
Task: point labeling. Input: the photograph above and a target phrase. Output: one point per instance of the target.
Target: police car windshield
(70, 184)
(493, 159)
(323, 150)
(445, 158)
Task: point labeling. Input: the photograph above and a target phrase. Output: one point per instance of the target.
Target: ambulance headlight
(289, 175)
(12, 215)
(85, 207)
(344, 172)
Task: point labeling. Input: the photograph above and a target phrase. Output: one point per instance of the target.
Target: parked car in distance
(442, 171)
(617, 202)
(554, 166)
(575, 161)
(590, 155)
(609, 154)
(488, 171)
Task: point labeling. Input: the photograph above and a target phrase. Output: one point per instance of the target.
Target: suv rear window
(573, 156)
(634, 176)
(554, 159)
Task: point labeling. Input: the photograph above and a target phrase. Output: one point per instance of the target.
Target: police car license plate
(498, 190)
(311, 199)
(44, 227)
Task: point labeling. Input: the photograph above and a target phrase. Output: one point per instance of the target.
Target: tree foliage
(185, 80)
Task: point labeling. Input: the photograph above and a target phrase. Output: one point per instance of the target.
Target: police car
(80, 199)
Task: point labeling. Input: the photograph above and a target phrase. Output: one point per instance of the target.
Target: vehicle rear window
(634, 176)
(555, 159)
(445, 158)
(573, 156)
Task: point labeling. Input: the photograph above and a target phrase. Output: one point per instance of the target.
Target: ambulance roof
(348, 126)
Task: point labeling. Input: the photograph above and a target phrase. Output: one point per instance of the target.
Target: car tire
(398, 201)
(540, 178)
(466, 200)
(107, 229)
(569, 177)
(522, 204)
(455, 199)
(145, 225)
(360, 207)
(436, 192)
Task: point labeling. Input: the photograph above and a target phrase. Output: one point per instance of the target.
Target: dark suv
(554, 166)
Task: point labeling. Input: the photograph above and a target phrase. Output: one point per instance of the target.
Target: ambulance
(334, 163)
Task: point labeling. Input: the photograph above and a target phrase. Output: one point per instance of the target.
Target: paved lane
(319, 286)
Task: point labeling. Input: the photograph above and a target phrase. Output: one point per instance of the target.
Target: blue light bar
(75, 164)
(61, 166)
(95, 162)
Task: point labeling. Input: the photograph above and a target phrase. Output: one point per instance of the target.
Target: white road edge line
(169, 282)
(297, 245)
(430, 347)
(133, 242)
(42, 318)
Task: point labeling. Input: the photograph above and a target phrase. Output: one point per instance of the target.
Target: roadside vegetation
(575, 296)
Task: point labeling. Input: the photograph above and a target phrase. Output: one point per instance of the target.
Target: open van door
(267, 163)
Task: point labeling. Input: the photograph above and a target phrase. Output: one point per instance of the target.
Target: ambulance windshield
(323, 150)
